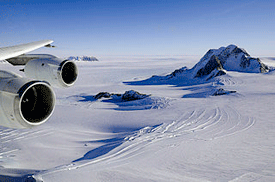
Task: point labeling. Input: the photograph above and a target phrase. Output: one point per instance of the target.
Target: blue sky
(140, 27)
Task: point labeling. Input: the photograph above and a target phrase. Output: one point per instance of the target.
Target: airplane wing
(26, 102)
(13, 51)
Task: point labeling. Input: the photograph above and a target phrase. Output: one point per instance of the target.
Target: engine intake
(36, 102)
(53, 70)
(68, 71)
(24, 103)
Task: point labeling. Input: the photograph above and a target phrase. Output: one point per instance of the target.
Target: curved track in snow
(199, 124)
(9, 136)
(229, 81)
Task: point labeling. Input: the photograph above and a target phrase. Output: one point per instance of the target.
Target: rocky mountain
(217, 61)
(230, 58)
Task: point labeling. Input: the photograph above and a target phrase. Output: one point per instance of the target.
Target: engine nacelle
(57, 72)
(24, 103)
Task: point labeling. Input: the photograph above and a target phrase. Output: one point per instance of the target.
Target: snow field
(164, 137)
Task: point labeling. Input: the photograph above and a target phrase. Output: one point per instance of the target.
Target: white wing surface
(13, 51)
(26, 102)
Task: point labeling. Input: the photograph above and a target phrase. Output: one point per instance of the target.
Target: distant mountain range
(82, 58)
(73, 58)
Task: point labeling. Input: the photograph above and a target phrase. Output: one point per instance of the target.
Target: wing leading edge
(26, 102)
(13, 51)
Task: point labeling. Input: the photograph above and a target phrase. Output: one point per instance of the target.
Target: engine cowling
(57, 72)
(24, 103)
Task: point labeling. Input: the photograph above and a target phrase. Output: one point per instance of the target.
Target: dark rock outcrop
(221, 91)
(211, 65)
(127, 96)
(101, 95)
(177, 72)
(133, 95)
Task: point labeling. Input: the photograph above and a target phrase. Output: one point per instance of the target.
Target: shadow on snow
(139, 104)
(200, 88)
(109, 144)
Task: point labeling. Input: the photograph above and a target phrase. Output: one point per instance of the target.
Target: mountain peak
(233, 58)
(215, 62)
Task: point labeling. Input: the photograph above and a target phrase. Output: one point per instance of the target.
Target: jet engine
(28, 102)
(24, 103)
(57, 72)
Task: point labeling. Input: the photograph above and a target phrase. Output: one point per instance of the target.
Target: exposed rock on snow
(127, 96)
(211, 65)
(221, 91)
(133, 95)
(82, 58)
(102, 95)
(177, 72)
(128, 101)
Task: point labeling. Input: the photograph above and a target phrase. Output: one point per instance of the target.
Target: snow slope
(181, 132)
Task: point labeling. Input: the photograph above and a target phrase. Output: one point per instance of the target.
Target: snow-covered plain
(178, 133)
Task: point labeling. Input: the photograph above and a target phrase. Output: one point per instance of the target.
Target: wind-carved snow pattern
(199, 124)
(228, 81)
(145, 104)
(8, 136)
